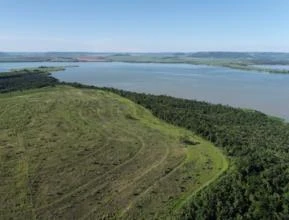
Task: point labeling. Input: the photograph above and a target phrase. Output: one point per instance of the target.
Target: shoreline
(234, 66)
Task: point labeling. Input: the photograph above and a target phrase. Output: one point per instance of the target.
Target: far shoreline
(233, 66)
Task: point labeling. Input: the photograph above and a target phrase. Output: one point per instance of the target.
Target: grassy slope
(76, 153)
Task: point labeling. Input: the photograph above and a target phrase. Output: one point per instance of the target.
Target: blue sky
(144, 25)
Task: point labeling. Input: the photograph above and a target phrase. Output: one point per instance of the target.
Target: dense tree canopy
(24, 80)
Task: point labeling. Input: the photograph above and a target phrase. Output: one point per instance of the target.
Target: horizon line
(153, 52)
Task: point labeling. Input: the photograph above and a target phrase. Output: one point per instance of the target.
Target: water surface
(266, 92)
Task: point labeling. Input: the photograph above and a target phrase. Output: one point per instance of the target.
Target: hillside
(69, 153)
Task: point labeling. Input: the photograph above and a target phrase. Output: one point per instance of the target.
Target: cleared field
(68, 153)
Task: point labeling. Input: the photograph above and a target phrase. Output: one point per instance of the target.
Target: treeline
(257, 184)
(25, 80)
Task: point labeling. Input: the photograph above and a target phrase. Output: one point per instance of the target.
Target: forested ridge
(257, 184)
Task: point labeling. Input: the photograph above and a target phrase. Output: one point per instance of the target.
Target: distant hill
(226, 58)
(240, 55)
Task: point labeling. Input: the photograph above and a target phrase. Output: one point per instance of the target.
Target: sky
(144, 25)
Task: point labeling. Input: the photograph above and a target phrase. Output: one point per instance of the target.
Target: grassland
(68, 153)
